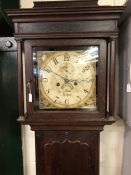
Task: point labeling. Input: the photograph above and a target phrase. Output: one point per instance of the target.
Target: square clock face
(66, 79)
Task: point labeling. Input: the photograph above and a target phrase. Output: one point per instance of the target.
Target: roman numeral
(55, 60)
(47, 69)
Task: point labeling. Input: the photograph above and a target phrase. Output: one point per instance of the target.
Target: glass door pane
(66, 78)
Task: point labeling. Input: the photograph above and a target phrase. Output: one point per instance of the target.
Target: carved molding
(66, 141)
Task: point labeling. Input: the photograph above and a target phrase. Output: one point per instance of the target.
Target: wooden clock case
(67, 141)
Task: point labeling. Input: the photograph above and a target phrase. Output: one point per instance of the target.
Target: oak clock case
(66, 75)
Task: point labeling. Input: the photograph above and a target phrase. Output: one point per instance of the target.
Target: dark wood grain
(67, 152)
(62, 4)
(20, 79)
(32, 16)
(112, 77)
(67, 27)
(29, 44)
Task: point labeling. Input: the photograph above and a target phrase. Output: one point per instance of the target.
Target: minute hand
(50, 70)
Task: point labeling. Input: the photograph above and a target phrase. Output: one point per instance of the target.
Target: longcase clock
(66, 75)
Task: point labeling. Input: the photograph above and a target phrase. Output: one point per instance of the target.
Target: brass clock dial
(66, 79)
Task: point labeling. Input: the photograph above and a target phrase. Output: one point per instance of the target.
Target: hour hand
(86, 80)
(79, 81)
(48, 69)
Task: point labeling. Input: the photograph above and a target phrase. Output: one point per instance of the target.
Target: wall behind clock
(112, 138)
(6, 4)
(10, 131)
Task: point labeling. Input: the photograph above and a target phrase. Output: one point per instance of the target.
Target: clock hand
(65, 79)
(48, 69)
(79, 81)
(88, 80)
